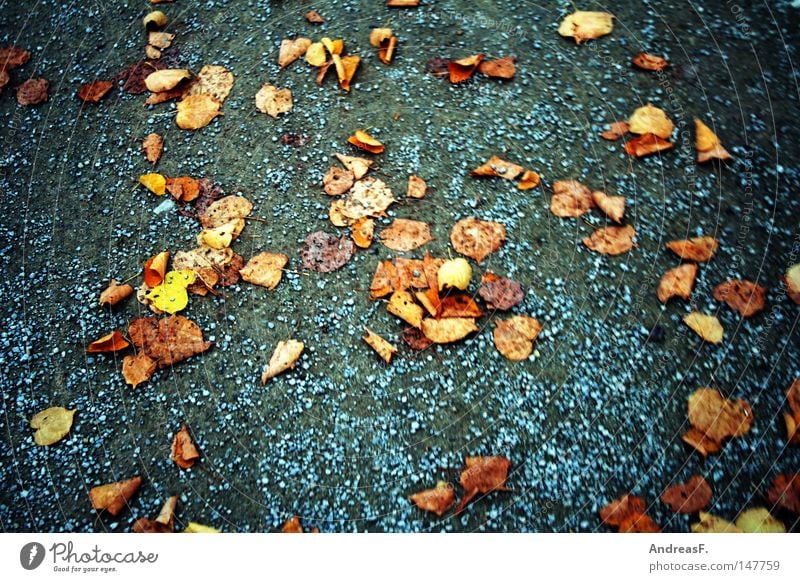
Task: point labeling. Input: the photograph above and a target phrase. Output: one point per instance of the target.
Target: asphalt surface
(343, 439)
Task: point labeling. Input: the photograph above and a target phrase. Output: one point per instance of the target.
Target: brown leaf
(649, 119)
(138, 369)
(707, 327)
(213, 80)
(514, 337)
(160, 40)
(611, 240)
(742, 296)
(500, 292)
(476, 238)
(650, 62)
(264, 269)
(620, 510)
(197, 111)
(462, 69)
(437, 500)
(12, 57)
(612, 206)
(415, 339)
(32, 92)
(291, 50)
(452, 329)
(615, 130)
(417, 188)
(94, 91)
(183, 451)
(406, 235)
(502, 68)
(152, 146)
(402, 3)
(383, 348)
(688, 497)
(273, 101)
(337, 181)
(785, 492)
(677, 282)
(483, 475)
(114, 497)
(570, 199)
(459, 305)
(647, 144)
(169, 340)
(717, 417)
(314, 17)
(639, 524)
(325, 253)
(225, 210)
(164, 96)
(699, 249)
(498, 167)
(164, 523)
(115, 293)
(112, 342)
(285, 356)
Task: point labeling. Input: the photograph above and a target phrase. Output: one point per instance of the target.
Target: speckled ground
(343, 440)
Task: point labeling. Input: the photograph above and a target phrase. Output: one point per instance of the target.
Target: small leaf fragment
(383, 348)
(437, 500)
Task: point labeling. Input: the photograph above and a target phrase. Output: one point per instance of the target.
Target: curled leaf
(183, 451)
(647, 144)
(708, 145)
(498, 167)
(114, 293)
(650, 62)
(364, 141)
(155, 268)
(462, 69)
(94, 91)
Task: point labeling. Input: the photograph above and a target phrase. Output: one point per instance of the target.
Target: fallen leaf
(742, 296)
(793, 420)
(194, 527)
(5, 78)
(612, 206)
(383, 348)
(476, 238)
(784, 493)
(698, 440)
(621, 509)
(138, 369)
(94, 91)
(402, 305)
(183, 188)
(386, 50)
(647, 144)
(406, 235)
(135, 74)
(500, 292)
(502, 68)
(615, 130)
(334, 47)
(529, 180)
(51, 425)
(171, 296)
(114, 293)
(459, 305)
(715, 418)
(183, 450)
(402, 3)
(415, 339)
(712, 524)
(437, 500)
(417, 188)
(152, 146)
(582, 25)
(677, 282)
(156, 183)
(368, 197)
(292, 525)
(12, 57)
(315, 54)
(611, 240)
(650, 62)
(462, 69)
(273, 101)
(283, 358)
(498, 167)
(33, 92)
(452, 329)
(699, 249)
(112, 342)
(514, 337)
(165, 79)
(225, 210)
(792, 281)
(364, 141)
(649, 119)
(454, 274)
(325, 253)
(688, 497)
(363, 232)
(164, 96)
(314, 17)
(264, 269)
(358, 166)
(346, 70)
(337, 181)
(759, 520)
(213, 80)
(639, 524)
(114, 497)
(160, 40)
(197, 111)
(169, 340)
(708, 145)
(155, 268)
(483, 475)
(570, 199)
(292, 49)
(707, 327)
(164, 523)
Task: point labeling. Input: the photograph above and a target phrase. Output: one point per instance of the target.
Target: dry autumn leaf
(197, 111)
(94, 91)
(112, 342)
(273, 101)
(784, 492)
(155, 268)
(649, 119)
(386, 43)
(759, 520)
(114, 293)
(114, 497)
(169, 340)
(714, 418)
(502, 68)
(514, 337)
(325, 252)
(358, 166)
(165, 79)
(500, 292)
(570, 199)
(615, 130)
(459, 305)
(292, 49)
(529, 180)
(437, 500)
(213, 80)
(363, 232)
(699, 249)
(712, 524)
(402, 305)
(183, 188)
(677, 282)
(138, 369)
(583, 25)
(315, 54)
(498, 167)
(647, 144)
(620, 510)
(707, 327)
(443, 331)
(792, 281)
(194, 527)
(32, 92)
(337, 181)
(225, 210)
(612, 206)
(611, 240)
(415, 339)
(742, 296)
(383, 348)
(345, 70)
(462, 69)
(402, 3)
(183, 451)
(156, 183)
(792, 419)
(639, 524)
(417, 188)
(264, 269)
(171, 296)
(164, 523)
(314, 17)
(483, 475)
(152, 146)
(292, 525)
(406, 235)
(650, 62)
(12, 57)
(367, 198)
(366, 142)
(689, 497)
(708, 145)
(285, 356)
(51, 425)
(476, 238)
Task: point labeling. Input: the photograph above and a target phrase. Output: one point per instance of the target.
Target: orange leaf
(688, 497)
(483, 475)
(502, 68)
(112, 342)
(406, 235)
(169, 340)
(155, 268)
(699, 249)
(619, 510)
(459, 305)
(292, 525)
(639, 524)
(197, 111)
(612, 206)
(677, 282)
(363, 232)
(649, 119)
(183, 188)
(115, 293)
(364, 141)
(708, 144)
(113, 497)
(437, 500)
(529, 180)
(462, 69)
(93, 92)
(417, 188)
(138, 369)
(742, 296)
(477, 239)
(183, 451)
(611, 240)
(707, 327)
(650, 62)
(291, 50)
(498, 167)
(152, 146)
(401, 304)
(383, 348)
(452, 329)
(514, 337)
(717, 417)
(645, 145)
(615, 130)
(570, 199)
(346, 69)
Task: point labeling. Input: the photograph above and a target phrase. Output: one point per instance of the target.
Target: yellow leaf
(52, 425)
(759, 520)
(315, 55)
(335, 47)
(156, 183)
(650, 119)
(712, 524)
(197, 111)
(222, 236)
(194, 527)
(171, 296)
(383, 348)
(442, 331)
(264, 269)
(165, 79)
(707, 327)
(283, 358)
(401, 304)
